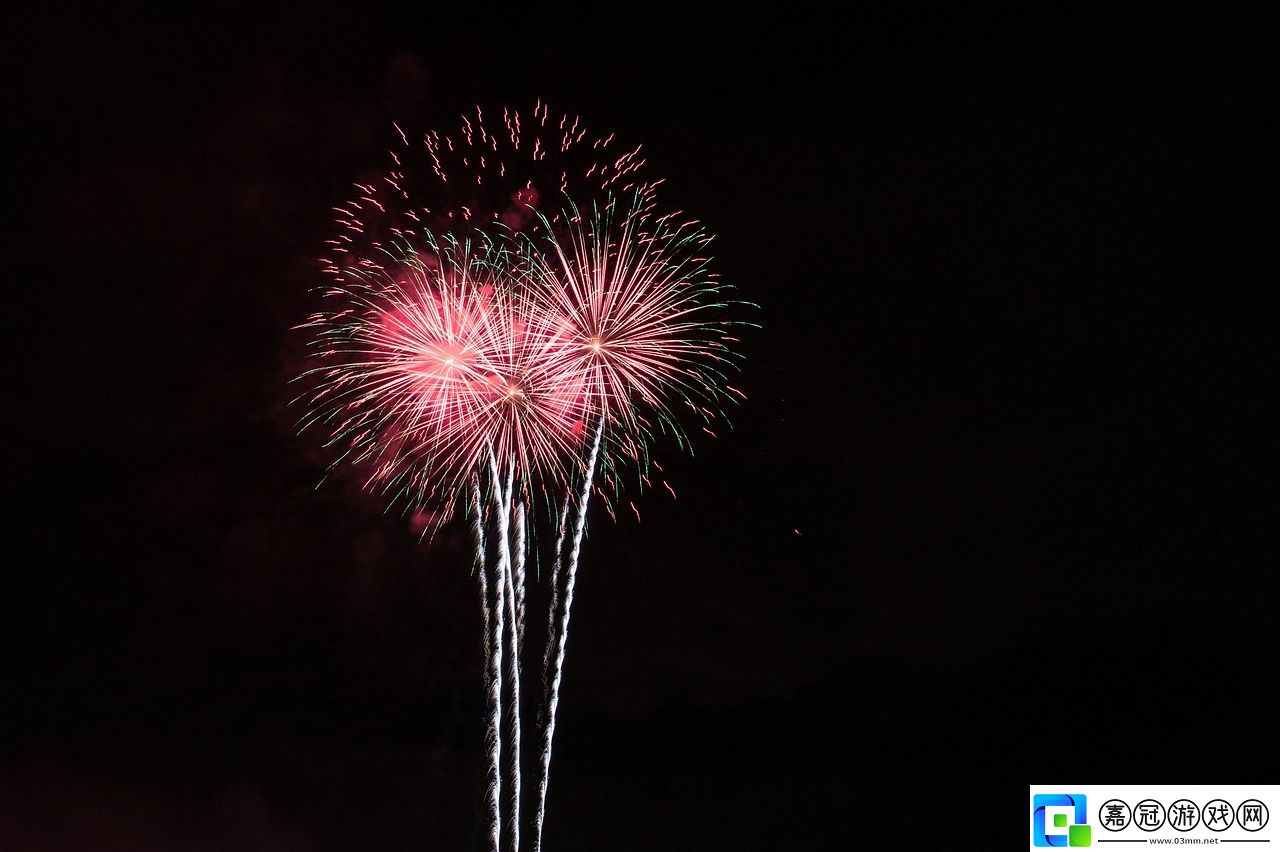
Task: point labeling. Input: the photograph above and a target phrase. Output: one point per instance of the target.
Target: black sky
(1000, 507)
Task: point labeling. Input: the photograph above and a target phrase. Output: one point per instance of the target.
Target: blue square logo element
(1055, 817)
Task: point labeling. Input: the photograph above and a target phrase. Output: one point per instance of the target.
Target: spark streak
(493, 670)
(502, 509)
(562, 638)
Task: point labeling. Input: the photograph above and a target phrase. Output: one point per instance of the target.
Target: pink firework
(431, 363)
(637, 312)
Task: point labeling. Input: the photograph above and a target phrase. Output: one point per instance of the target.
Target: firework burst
(478, 347)
(636, 310)
(433, 362)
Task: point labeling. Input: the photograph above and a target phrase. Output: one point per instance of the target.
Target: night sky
(1000, 507)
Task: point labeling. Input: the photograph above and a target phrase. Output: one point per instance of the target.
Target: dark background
(1000, 508)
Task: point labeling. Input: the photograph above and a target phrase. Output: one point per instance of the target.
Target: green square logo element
(1055, 818)
(1080, 835)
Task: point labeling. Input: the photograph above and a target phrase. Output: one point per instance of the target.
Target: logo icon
(1059, 819)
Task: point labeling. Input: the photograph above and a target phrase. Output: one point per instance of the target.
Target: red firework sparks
(496, 170)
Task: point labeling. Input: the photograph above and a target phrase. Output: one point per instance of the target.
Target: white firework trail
(503, 505)
(553, 611)
(521, 549)
(553, 698)
(492, 669)
(548, 654)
